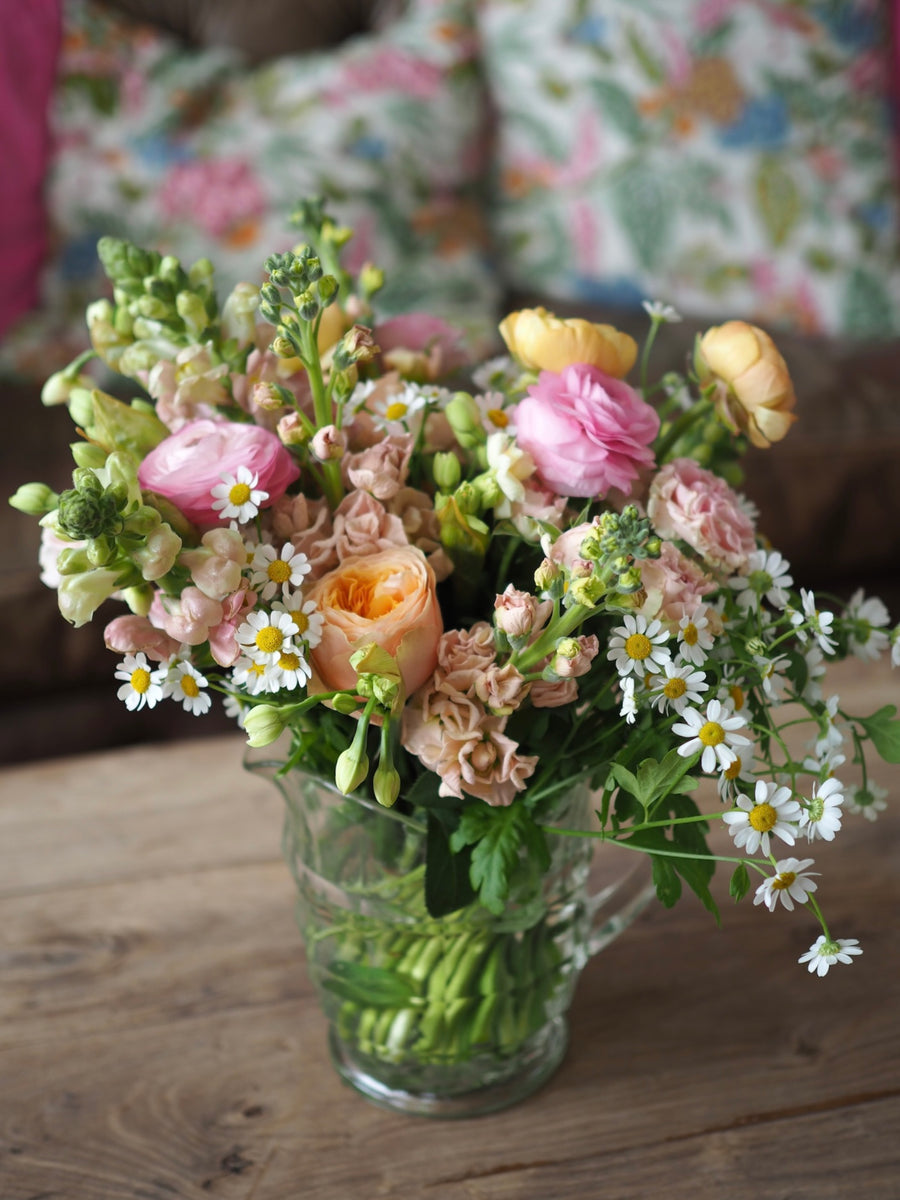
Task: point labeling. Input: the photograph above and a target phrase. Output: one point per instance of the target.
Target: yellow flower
(543, 342)
(753, 392)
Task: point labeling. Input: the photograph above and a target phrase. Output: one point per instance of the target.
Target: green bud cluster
(89, 510)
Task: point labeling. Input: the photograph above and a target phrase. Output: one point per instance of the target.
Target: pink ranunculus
(689, 503)
(675, 585)
(587, 432)
(188, 465)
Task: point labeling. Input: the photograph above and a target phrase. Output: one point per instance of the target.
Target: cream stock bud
(263, 724)
(36, 499)
(351, 769)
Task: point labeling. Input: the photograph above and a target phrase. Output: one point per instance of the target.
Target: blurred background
(734, 158)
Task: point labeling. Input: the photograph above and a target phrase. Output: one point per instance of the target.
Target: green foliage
(505, 841)
(883, 727)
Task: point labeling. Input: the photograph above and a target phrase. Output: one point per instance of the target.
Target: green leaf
(883, 728)
(497, 837)
(374, 987)
(447, 883)
(655, 780)
(666, 881)
(740, 882)
(777, 199)
(424, 793)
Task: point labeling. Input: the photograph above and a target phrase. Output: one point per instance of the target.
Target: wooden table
(159, 1038)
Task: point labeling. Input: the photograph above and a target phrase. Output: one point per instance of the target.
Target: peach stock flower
(753, 389)
(544, 342)
(388, 598)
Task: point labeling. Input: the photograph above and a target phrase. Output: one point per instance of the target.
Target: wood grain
(159, 1038)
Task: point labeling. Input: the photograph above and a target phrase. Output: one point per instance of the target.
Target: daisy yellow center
(498, 417)
(189, 686)
(690, 634)
(279, 571)
(239, 494)
(140, 680)
(762, 817)
(301, 620)
(675, 688)
(269, 639)
(711, 734)
(289, 662)
(395, 411)
(731, 773)
(783, 881)
(737, 695)
(638, 646)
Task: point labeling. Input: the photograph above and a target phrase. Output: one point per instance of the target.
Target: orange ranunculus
(544, 342)
(753, 392)
(387, 598)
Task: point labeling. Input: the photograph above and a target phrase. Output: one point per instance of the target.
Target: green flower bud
(547, 575)
(263, 724)
(327, 289)
(192, 311)
(386, 784)
(446, 470)
(152, 308)
(568, 647)
(344, 703)
(586, 591)
(139, 598)
(351, 769)
(468, 499)
(488, 489)
(201, 275)
(465, 420)
(36, 499)
(171, 270)
(371, 280)
(59, 386)
(87, 510)
(73, 560)
(308, 305)
(283, 347)
(313, 269)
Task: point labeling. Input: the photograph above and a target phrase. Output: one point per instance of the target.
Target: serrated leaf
(883, 728)
(655, 780)
(740, 882)
(496, 836)
(665, 880)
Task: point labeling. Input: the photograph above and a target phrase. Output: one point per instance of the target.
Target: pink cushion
(29, 47)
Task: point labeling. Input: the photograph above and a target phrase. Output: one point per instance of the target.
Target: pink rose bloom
(691, 504)
(586, 431)
(188, 465)
(675, 585)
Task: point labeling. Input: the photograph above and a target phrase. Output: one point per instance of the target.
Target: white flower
(234, 708)
(791, 882)
(772, 811)
(306, 617)
(772, 674)
(273, 572)
(493, 415)
(266, 636)
(250, 675)
(868, 800)
(290, 671)
(629, 704)
(401, 410)
(712, 732)
(184, 683)
(656, 310)
(729, 780)
(866, 618)
(237, 498)
(815, 671)
(143, 685)
(895, 646)
(831, 737)
(500, 372)
(767, 576)
(821, 817)
(637, 646)
(694, 637)
(509, 464)
(825, 952)
(682, 686)
(819, 623)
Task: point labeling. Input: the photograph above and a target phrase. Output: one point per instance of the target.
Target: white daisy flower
(772, 675)
(682, 686)
(767, 577)
(729, 781)
(274, 572)
(494, 416)
(818, 623)
(638, 646)
(251, 676)
(265, 636)
(184, 683)
(695, 639)
(866, 619)
(773, 810)
(821, 815)
(237, 498)
(629, 703)
(825, 952)
(869, 800)
(306, 617)
(400, 410)
(234, 708)
(360, 394)
(143, 684)
(815, 672)
(289, 672)
(496, 373)
(713, 733)
(826, 763)
(791, 882)
(656, 310)
(831, 736)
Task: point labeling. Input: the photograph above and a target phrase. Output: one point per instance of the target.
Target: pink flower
(364, 526)
(188, 465)
(586, 431)
(462, 656)
(515, 611)
(380, 469)
(190, 618)
(689, 503)
(675, 585)
(306, 524)
(133, 635)
(216, 565)
(223, 644)
(548, 694)
(420, 345)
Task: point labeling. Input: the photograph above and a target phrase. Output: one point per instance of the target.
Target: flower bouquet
(474, 619)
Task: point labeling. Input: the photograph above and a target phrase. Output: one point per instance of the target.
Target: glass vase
(457, 1015)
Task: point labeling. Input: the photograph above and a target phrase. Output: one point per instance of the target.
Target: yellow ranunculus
(544, 342)
(753, 392)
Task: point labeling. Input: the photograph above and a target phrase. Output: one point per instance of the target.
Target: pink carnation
(188, 465)
(586, 431)
(691, 504)
(675, 585)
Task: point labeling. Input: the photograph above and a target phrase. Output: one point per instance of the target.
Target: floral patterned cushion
(193, 153)
(721, 156)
